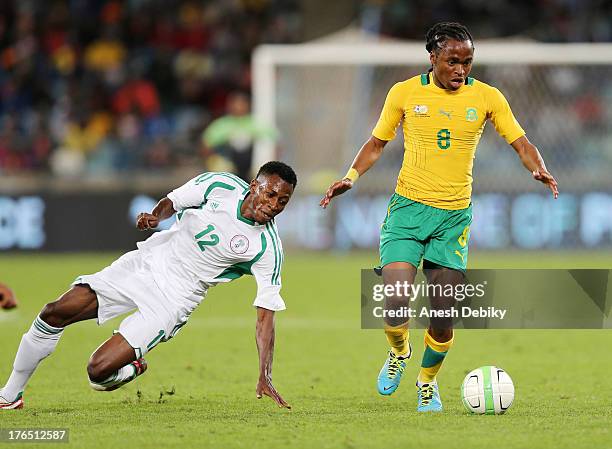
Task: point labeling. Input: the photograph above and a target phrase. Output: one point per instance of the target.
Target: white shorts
(128, 284)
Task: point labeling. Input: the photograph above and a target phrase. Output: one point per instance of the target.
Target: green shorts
(413, 231)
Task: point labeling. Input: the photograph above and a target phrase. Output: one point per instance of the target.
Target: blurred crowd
(543, 20)
(103, 86)
(98, 86)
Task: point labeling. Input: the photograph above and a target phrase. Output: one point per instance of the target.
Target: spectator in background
(83, 68)
(7, 298)
(232, 136)
(139, 95)
(93, 87)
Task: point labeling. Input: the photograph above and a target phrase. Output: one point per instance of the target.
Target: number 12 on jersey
(444, 137)
(213, 238)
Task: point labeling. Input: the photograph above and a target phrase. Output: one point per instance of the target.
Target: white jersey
(211, 242)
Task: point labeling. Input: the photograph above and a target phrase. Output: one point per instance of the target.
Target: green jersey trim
(215, 185)
(234, 178)
(278, 257)
(180, 214)
(424, 79)
(238, 269)
(280, 254)
(208, 175)
(240, 217)
(203, 177)
(156, 340)
(469, 81)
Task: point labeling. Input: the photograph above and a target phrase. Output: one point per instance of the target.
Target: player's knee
(75, 305)
(396, 302)
(50, 316)
(98, 369)
(441, 333)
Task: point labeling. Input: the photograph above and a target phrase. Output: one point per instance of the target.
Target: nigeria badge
(239, 244)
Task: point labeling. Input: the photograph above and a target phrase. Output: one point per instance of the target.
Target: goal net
(324, 99)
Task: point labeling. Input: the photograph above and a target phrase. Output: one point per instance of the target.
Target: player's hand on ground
(337, 188)
(7, 298)
(146, 221)
(265, 388)
(546, 178)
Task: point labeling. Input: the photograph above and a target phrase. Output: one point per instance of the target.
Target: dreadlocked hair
(438, 34)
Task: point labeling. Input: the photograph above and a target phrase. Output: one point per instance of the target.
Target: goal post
(324, 99)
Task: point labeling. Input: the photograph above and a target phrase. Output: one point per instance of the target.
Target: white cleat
(140, 366)
(16, 404)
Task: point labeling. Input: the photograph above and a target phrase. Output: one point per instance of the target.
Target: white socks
(120, 377)
(36, 344)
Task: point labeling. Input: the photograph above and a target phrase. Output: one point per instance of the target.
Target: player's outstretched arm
(164, 209)
(366, 157)
(533, 161)
(264, 335)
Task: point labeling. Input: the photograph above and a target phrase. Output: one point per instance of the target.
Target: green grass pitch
(200, 387)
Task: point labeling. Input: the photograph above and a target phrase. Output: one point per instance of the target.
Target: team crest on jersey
(239, 244)
(471, 115)
(420, 109)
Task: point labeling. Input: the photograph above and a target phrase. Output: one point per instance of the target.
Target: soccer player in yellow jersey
(444, 112)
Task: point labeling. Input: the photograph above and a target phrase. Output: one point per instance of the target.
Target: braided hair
(441, 32)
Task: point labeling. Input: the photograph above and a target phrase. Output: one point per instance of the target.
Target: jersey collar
(429, 77)
(239, 215)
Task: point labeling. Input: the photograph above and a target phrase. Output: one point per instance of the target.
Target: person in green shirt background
(228, 141)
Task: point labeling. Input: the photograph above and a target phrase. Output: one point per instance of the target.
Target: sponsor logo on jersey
(213, 205)
(239, 244)
(445, 113)
(420, 109)
(471, 115)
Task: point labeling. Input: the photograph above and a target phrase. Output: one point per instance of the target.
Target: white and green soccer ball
(487, 390)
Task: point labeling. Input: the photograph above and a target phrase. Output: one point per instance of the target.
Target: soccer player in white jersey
(224, 229)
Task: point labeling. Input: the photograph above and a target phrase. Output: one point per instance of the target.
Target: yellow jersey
(441, 131)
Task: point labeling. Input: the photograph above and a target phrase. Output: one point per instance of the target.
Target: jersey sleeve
(267, 272)
(502, 117)
(192, 193)
(392, 113)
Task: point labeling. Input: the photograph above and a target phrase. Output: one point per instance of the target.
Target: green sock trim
(432, 358)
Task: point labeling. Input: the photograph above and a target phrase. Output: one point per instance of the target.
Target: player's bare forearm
(368, 154)
(162, 210)
(264, 335)
(366, 157)
(529, 154)
(265, 341)
(532, 160)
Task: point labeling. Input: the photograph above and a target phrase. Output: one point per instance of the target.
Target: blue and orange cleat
(391, 373)
(429, 398)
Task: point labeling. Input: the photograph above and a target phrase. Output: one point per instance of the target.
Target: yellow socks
(397, 336)
(432, 358)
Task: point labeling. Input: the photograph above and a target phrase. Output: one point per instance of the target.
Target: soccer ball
(487, 390)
